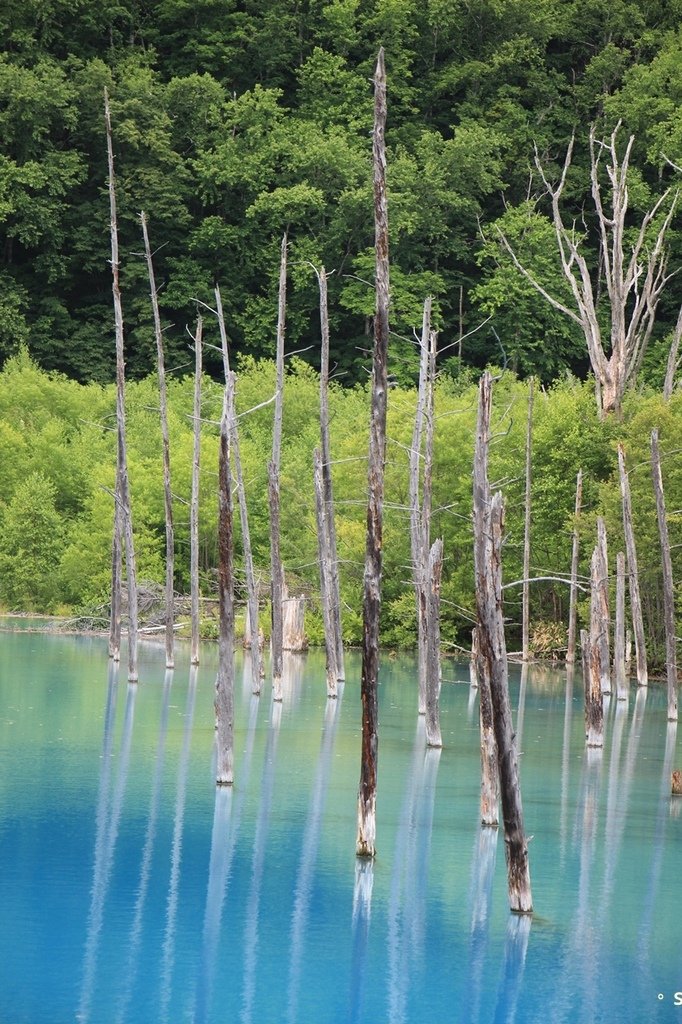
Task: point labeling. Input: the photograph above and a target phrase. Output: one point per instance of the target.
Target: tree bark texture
(324, 557)
(435, 571)
(594, 700)
(488, 529)
(603, 638)
(328, 490)
(490, 779)
(668, 582)
(122, 485)
(116, 573)
(619, 674)
(633, 573)
(293, 622)
(277, 570)
(525, 593)
(165, 439)
(224, 693)
(194, 500)
(575, 557)
(366, 823)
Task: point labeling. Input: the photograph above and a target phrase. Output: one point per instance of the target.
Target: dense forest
(234, 121)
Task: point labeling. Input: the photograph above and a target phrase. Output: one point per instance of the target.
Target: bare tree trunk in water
(525, 593)
(277, 570)
(122, 486)
(366, 834)
(165, 438)
(418, 552)
(603, 639)
(324, 556)
(325, 447)
(488, 528)
(194, 501)
(251, 582)
(668, 582)
(575, 556)
(116, 573)
(433, 734)
(594, 699)
(619, 676)
(633, 574)
(224, 693)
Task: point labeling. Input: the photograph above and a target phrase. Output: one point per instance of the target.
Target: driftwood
(633, 574)
(366, 822)
(488, 529)
(194, 500)
(122, 485)
(525, 592)
(619, 674)
(575, 556)
(165, 439)
(433, 734)
(333, 587)
(668, 582)
(277, 570)
(324, 558)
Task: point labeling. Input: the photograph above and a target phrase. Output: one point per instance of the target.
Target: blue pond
(133, 891)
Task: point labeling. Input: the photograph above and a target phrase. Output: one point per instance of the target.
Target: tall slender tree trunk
(328, 491)
(324, 557)
(277, 570)
(668, 582)
(224, 693)
(165, 438)
(525, 593)
(194, 500)
(418, 553)
(435, 570)
(122, 485)
(116, 573)
(488, 529)
(619, 674)
(251, 581)
(602, 638)
(633, 573)
(575, 556)
(594, 699)
(366, 832)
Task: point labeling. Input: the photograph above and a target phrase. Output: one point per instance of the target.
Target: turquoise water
(132, 891)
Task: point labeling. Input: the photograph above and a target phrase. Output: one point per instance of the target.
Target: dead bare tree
(575, 555)
(619, 674)
(633, 572)
(525, 593)
(194, 500)
(165, 439)
(277, 570)
(224, 689)
(417, 533)
(668, 582)
(601, 638)
(324, 556)
(633, 282)
(593, 666)
(674, 359)
(435, 570)
(125, 522)
(366, 830)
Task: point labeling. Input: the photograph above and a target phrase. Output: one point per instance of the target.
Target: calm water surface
(132, 891)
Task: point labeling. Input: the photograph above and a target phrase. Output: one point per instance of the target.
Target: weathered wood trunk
(488, 529)
(602, 638)
(673, 360)
(334, 590)
(224, 693)
(418, 553)
(251, 582)
(594, 700)
(277, 570)
(324, 557)
(473, 658)
(525, 593)
(366, 825)
(293, 622)
(165, 439)
(633, 574)
(668, 582)
(194, 499)
(116, 573)
(575, 556)
(490, 779)
(619, 674)
(122, 485)
(433, 734)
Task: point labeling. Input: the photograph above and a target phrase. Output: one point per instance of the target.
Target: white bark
(324, 557)
(525, 593)
(194, 500)
(435, 569)
(619, 675)
(674, 359)
(277, 570)
(575, 555)
(633, 573)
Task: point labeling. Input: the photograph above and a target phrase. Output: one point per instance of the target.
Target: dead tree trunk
(673, 360)
(165, 438)
(633, 574)
(418, 552)
(277, 570)
(251, 582)
(594, 700)
(668, 582)
(525, 593)
(366, 831)
(488, 528)
(490, 778)
(473, 658)
(324, 556)
(194, 500)
(328, 491)
(433, 735)
(619, 676)
(116, 573)
(575, 556)
(604, 617)
(122, 485)
(293, 622)
(224, 691)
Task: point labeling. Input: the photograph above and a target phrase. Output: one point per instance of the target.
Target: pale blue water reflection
(134, 891)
